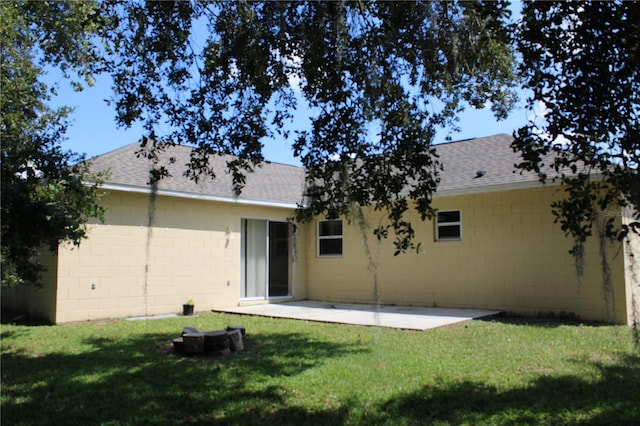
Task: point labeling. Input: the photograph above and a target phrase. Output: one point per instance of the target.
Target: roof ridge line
(473, 138)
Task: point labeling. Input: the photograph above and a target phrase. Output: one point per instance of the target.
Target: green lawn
(503, 372)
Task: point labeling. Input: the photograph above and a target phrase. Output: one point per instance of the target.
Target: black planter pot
(187, 309)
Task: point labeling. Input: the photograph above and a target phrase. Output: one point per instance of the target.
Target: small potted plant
(187, 308)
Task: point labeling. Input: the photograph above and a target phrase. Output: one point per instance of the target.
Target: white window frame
(329, 237)
(452, 223)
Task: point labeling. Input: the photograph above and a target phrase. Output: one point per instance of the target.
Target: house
(493, 245)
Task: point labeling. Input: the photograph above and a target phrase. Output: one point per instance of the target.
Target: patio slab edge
(401, 317)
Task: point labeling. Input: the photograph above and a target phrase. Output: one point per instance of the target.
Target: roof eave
(473, 190)
(194, 196)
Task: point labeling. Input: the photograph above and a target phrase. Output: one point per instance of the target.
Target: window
(330, 238)
(449, 226)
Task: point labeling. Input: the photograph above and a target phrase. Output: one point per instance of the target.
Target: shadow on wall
(131, 209)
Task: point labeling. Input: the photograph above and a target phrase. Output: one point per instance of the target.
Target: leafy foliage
(45, 198)
(379, 78)
(582, 61)
(226, 77)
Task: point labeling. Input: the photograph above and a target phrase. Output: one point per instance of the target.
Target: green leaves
(378, 78)
(581, 60)
(47, 194)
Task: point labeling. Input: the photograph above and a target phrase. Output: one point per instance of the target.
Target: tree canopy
(45, 195)
(224, 77)
(379, 77)
(581, 60)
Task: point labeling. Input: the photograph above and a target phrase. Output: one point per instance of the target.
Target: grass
(502, 372)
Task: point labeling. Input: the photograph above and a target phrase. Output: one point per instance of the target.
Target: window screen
(449, 225)
(330, 238)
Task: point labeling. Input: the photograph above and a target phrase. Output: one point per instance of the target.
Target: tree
(582, 61)
(225, 77)
(45, 196)
(379, 78)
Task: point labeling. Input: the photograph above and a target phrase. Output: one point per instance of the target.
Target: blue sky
(93, 130)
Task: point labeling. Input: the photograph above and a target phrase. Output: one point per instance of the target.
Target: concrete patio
(404, 317)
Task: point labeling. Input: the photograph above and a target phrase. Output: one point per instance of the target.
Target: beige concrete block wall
(632, 271)
(192, 251)
(512, 257)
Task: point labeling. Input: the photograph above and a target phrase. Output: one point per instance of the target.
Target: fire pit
(213, 342)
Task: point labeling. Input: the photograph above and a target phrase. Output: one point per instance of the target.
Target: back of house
(493, 245)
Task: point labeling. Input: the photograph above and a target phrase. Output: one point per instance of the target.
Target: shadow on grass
(546, 321)
(140, 381)
(613, 399)
(11, 316)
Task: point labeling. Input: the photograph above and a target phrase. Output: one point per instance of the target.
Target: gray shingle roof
(492, 154)
(280, 183)
(270, 182)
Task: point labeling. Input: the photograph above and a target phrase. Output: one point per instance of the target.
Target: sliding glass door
(265, 259)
